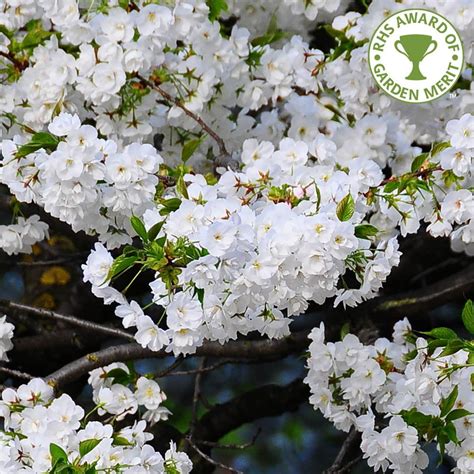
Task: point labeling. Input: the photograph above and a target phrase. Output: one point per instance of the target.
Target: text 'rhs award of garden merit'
(416, 55)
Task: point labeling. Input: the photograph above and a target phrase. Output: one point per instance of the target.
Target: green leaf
(391, 186)
(216, 7)
(121, 263)
(450, 431)
(269, 38)
(57, 453)
(181, 188)
(38, 140)
(345, 209)
(438, 148)
(155, 230)
(364, 231)
(418, 420)
(447, 403)
(190, 147)
(454, 345)
(420, 184)
(458, 413)
(119, 376)
(410, 355)
(170, 205)
(468, 316)
(121, 441)
(9, 34)
(272, 34)
(435, 343)
(345, 330)
(87, 446)
(139, 228)
(35, 38)
(441, 333)
(418, 162)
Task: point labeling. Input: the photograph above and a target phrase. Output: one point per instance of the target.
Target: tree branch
(220, 142)
(15, 373)
(46, 263)
(6, 305)
(403, 304)
(262, 350)
(348, 445)
(268, 400)
(459, 285)
(208, 458)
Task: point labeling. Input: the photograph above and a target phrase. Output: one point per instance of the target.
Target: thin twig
(213, 444)
(44, 263)
(20, 66)
(73, 321)
(209, 459)
(350, 464)
(220, 142)
(16, 373)
(203, 369)
(350, 441)
(179, 360)
(197, 395)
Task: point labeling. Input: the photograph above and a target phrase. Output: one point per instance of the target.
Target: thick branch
(261, 350)
(6, 305)
(269, 400)
(15, 373)
(459, 285)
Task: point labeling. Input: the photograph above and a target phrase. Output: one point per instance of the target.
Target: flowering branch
(220, 142)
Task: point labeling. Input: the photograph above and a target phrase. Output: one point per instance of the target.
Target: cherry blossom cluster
(21, 236)
(100, 61)
(398, 394)
(46, 434)
(86, 181)
(118, 398)
(224, 263)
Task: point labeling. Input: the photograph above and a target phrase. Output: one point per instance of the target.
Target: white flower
(400, 437)
(6, 335)
(98, 265)
(462, 131)
(130, 313)
(149, 394)
(458, 206)
(180, 461)
(149, 334)
(184, 312)
(64, 124)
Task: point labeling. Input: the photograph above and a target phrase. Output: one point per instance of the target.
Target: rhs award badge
(416, 55)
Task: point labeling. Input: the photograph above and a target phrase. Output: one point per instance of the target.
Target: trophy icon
(415, 48)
